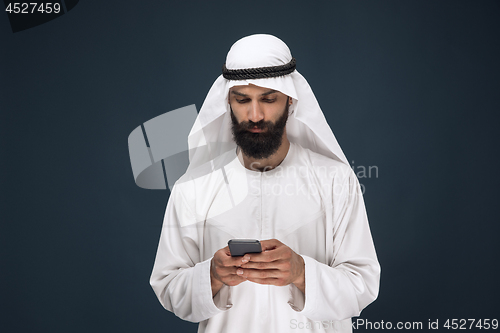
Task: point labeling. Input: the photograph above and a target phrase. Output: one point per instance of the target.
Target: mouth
(256, 130)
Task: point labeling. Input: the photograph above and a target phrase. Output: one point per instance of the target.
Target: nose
(255, 113)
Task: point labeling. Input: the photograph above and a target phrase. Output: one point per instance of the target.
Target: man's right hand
(223, 269)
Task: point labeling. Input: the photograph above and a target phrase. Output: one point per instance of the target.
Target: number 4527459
(463, 324)
(33, 8)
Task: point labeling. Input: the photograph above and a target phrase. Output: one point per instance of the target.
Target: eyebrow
(245, 95)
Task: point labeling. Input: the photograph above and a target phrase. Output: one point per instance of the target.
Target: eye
(269, 100)
(241, 101)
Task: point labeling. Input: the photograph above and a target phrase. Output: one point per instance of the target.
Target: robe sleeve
(350, 282)
(180, 280)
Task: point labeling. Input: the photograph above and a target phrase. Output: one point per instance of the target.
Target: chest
(287, 208)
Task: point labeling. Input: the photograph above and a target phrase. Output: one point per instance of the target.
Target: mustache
(246, 125)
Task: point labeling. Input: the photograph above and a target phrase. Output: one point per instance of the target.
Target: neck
(269, 163)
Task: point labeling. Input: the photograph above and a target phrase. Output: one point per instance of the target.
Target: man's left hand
(277, 265)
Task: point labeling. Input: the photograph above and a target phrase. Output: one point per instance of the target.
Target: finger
(229, 261)
(268, 256)
(226, 251)
(233, 280)
(259, 273)
(276, 264)
(270, 244)
(229, 272)
(224, 272)
(268, 281)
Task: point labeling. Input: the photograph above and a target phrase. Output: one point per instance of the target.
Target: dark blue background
(411, 87)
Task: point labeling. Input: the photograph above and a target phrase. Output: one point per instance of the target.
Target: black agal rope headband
(258, 72)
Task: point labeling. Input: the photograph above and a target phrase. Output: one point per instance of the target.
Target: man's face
(259, 117)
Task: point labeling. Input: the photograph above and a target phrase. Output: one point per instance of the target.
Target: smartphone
(238, 247)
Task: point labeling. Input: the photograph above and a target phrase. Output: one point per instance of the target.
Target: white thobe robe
(311, 203)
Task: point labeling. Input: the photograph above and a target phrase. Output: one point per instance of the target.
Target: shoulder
(204, 179)
(323, 166)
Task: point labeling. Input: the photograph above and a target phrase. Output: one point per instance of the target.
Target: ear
(290, 101)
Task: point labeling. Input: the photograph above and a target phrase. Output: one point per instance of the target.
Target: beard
(259, 145)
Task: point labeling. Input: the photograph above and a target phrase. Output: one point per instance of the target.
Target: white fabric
(211, 134)
(311, 203)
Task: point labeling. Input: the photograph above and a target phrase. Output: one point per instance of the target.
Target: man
(265, 165)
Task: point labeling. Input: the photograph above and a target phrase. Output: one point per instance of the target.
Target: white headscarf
(211, 134)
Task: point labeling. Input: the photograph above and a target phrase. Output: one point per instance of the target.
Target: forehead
(252, 90)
